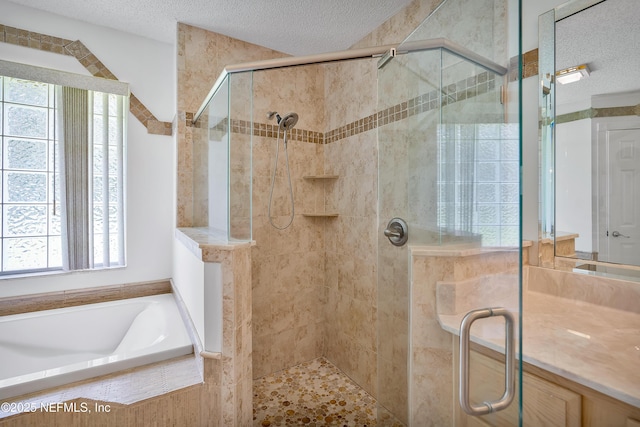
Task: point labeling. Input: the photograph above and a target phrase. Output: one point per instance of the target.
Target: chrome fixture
(618, 234)
(368, 52)
(384, 59)
(397, 231)
(510, 361)
(285, 124)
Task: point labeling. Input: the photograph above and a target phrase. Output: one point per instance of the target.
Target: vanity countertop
(592, 345)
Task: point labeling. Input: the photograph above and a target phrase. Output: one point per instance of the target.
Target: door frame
(600, 176)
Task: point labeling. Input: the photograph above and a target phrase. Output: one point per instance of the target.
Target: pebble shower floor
(314, 393)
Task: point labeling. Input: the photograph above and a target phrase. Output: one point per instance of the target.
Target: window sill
(56, 272)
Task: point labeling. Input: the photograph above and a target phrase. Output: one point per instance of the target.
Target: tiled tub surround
(579, 327)
(227, 389)
(170, 390)
(49, 348)
(74, 297)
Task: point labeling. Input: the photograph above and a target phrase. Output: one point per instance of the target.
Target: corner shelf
(321, 215)
(320, 177)
(324, 214)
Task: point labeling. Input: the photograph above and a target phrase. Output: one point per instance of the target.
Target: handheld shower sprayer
(284, 123)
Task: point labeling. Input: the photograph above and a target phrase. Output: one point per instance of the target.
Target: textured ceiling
(607, 38)
(296, 27)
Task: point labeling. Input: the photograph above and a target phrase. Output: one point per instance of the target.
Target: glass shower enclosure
(448, 141)
(448, 149)
(222, 160)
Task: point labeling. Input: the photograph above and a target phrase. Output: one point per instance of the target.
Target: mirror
(590, 135)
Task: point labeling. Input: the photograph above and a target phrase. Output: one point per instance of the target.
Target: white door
(623, 233)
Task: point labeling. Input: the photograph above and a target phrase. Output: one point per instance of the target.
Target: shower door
(448, 165)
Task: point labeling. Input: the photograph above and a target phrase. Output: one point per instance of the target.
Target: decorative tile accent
(529, 65)
(157, 127)
(459, 91)
(314, 393)
(592, 113)
(141, 112)
(51, 300)
(95, 67)
(89, 61)
(170, 391)
(77, 50)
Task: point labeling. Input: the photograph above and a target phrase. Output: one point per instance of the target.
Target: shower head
(288, 122)
(285, 123)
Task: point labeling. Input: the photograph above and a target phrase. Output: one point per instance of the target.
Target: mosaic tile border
(450, 94)
(593, 113)
(89, 61)
(529, 65)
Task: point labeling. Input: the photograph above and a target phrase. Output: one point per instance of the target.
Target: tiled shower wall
(351, 257)
(201, 57)
(290, 290)
(287, 265)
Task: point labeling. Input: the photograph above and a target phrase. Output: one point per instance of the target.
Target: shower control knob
(397, 231)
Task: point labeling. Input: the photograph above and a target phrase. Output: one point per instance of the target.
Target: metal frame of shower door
(345, 55)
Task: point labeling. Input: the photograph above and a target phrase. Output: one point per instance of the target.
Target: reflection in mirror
(597, 135)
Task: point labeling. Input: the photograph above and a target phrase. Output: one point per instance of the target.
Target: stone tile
(315, 393)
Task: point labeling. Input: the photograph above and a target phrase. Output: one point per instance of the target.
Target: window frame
(93, 84)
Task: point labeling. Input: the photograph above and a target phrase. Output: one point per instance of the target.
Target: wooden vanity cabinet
(549, 400)
(545, 403)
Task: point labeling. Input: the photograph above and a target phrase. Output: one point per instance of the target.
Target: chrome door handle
(618, 234)
(397, 231)
(510, 362)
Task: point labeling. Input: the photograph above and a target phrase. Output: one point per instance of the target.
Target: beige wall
(288, 265)
(351, 94)
(201, 57)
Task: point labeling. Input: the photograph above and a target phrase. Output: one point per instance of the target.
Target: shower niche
(320, 180)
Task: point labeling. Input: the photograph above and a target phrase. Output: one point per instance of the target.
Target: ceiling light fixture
(573, 74)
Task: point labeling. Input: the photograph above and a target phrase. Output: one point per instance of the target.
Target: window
(62, 177)
(30, 225)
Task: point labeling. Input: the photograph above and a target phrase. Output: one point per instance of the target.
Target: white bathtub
(53, 347)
